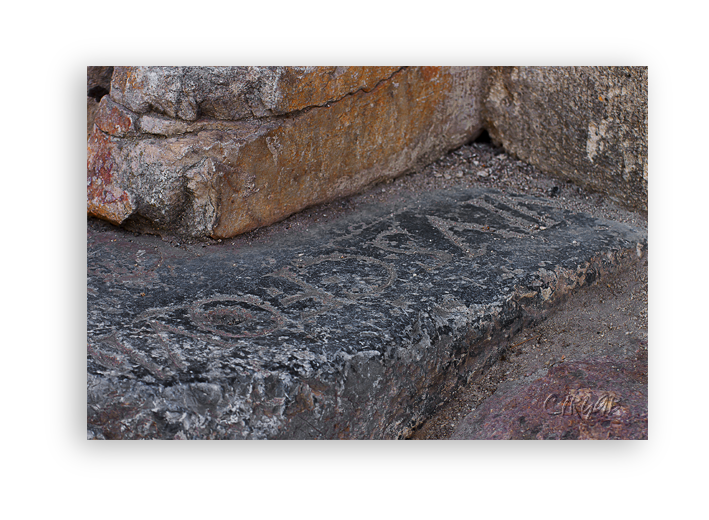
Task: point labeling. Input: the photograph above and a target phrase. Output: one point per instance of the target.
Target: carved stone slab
(355, 329)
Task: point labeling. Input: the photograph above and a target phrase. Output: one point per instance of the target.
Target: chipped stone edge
(478, 346)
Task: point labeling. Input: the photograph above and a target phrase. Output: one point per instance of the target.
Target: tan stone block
(302, 87)
(334, 151)
(221, 178)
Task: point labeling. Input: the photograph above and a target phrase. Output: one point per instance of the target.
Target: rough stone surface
(607, 320)
(354, 329)
(235, 93)
(586, 124)
(217, 151)
(597, 399)
(98, 84)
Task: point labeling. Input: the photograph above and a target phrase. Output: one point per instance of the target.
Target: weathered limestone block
(584, 124)
(217, 151)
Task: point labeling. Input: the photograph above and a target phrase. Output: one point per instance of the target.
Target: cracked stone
(266, 141)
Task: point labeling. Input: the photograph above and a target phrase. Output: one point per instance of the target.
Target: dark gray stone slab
(355, 329)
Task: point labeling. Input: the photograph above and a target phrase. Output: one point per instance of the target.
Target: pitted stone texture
(585, 124)
(234, 93)
(354, 329)
(594, 399)
(98, 84)
(180, 150)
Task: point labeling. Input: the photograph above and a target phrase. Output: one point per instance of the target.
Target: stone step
(356, 328)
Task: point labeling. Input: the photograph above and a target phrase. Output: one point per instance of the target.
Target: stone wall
(217, 151)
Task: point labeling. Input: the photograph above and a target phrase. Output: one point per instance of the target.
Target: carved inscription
(357, 273)
(341, 278)
(221, 317)
(505, 218)
(397, 240)
(583, 402)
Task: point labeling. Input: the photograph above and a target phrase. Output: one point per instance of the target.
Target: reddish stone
(593, 399)
(114, 119)
(105, 198)
(98, 84)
